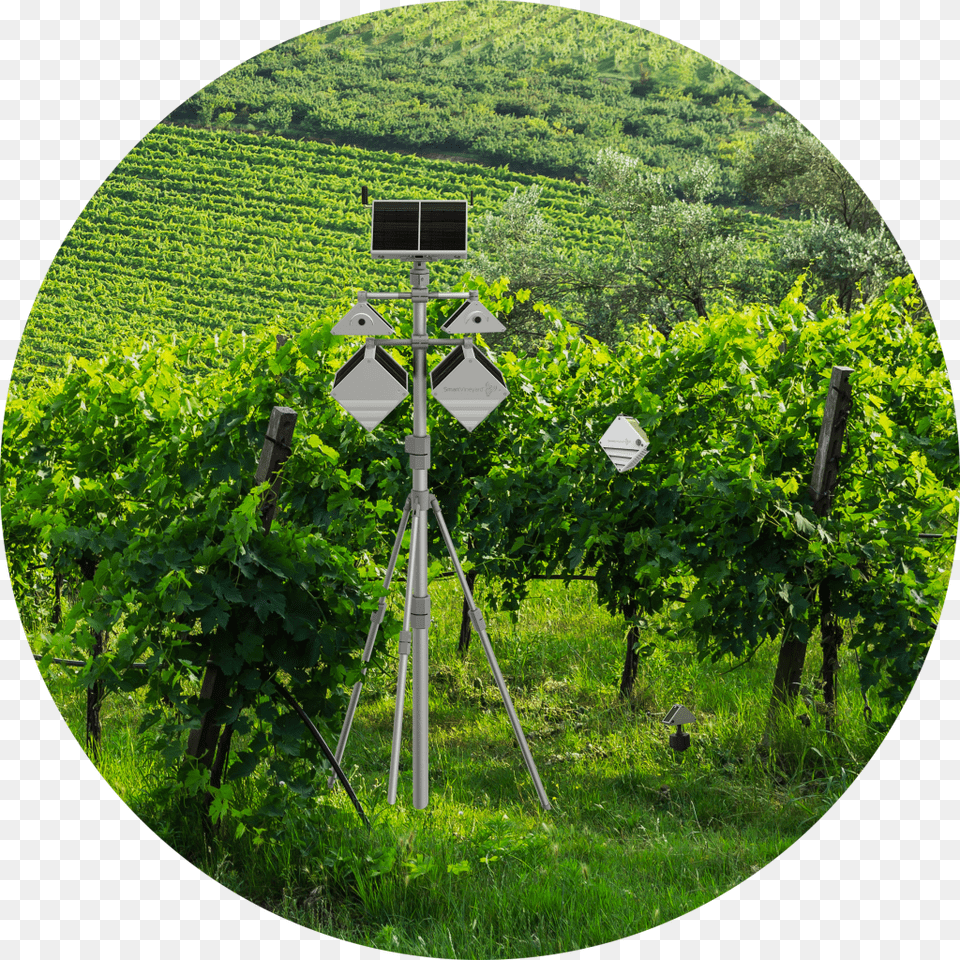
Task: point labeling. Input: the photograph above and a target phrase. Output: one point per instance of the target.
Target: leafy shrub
(134, 480)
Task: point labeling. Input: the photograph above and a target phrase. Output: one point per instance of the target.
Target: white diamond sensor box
(468, 384)
(370, 385)
(625, 443)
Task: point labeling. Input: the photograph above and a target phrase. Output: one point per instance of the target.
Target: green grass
(638, 835)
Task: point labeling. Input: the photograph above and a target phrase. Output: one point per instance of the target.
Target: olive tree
(675, 254)
(787, 167)
(841, 242)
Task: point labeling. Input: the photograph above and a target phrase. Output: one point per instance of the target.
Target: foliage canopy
(132, 477)
(535, 87)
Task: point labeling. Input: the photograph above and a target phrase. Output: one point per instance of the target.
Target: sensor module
(472, 317)
(361, 321)
(468, 385)
(370, 384)
(625, 443)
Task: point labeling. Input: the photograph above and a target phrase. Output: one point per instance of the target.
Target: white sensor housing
(625, 443)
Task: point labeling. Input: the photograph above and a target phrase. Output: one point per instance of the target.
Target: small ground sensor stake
(676, 717)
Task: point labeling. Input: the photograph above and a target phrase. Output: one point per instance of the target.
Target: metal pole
(479, 624)
(375, 620)
(406, 296)
(404, 654)
(420, 620)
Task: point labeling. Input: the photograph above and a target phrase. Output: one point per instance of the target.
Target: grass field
(638, 835)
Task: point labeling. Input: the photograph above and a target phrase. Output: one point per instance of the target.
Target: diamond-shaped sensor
(370, 384)
(468, 384)
(625, 443)
(678, 715)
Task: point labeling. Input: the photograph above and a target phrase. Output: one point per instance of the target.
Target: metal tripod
(414, 636)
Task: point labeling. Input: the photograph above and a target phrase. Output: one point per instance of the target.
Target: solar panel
(432, 229)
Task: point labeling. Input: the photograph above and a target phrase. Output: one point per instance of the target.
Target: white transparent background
(80, 876)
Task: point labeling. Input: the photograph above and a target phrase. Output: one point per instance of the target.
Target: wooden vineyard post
(631, 659)
(95, 696)
(207, 744)
(826, 470)
(97, 690)
(786, 681)
(276, 449)
(826, 466)
(202, 742)
(463, 644)
(57, 613)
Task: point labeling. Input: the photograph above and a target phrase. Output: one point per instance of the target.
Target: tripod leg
(420, 681)
(404, 651)
(479, 625)
(375, 620)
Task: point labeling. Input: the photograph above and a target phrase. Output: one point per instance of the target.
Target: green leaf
(698, 608)
(803, 524)
(250, 647)
(267, 601)
(243, 765)
(215, 617)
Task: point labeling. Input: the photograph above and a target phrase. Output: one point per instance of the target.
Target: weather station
(469, 386)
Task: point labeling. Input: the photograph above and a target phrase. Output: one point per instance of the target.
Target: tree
(844, 245)
(687, 257)
(521, 244)
(850, 266)
(678, 245)
(676, 253)
(520, 236)
(786, 167)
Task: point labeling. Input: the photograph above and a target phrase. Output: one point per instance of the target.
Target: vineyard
(210, 231)
(129, 473)
(197, 293)
(542, 92)
(131, 480)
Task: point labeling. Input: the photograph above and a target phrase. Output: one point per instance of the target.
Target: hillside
(220, 231)
(540, 88)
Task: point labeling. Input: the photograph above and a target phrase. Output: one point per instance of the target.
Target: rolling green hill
(539, 88)
(224, 231)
